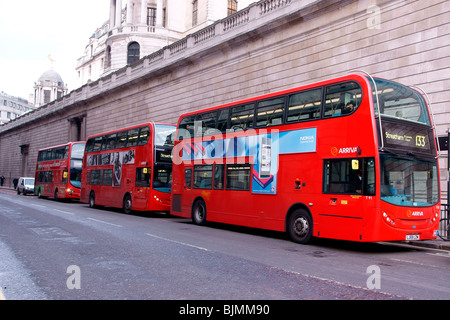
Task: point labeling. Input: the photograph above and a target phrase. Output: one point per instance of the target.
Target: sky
(31, 30)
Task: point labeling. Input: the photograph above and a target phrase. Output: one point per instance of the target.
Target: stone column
(144, 4)
(130, 11)
(118, 13)
(112, 14)
(159, 13)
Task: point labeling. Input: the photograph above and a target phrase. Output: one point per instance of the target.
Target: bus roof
(61, 145)
(151, 123)
(352, 76)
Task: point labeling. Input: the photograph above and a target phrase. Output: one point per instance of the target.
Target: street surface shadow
(361, 247)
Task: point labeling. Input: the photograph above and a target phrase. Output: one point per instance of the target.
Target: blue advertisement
(264, 150)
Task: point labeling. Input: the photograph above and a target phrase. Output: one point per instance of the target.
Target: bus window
(242, 117)
(270, 112)
(143, 176)
(122, 139)
(304, 106)
(349, 176)
(203, 177)
(109, 142)
(95, 177)
(218, 176)
(144, 134)
(97, 144)
(107, 177)
(207, 124)
(186, 128)
(222, 120)
(238, 176)
(133, 135)
(342, 99)
(188, 178)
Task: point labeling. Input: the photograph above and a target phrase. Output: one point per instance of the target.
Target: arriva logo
(410, 213)
(336, 151)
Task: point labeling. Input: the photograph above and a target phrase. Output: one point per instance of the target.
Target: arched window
(133, 52)
(108, 57)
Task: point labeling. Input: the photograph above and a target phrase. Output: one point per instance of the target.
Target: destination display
(407, 137)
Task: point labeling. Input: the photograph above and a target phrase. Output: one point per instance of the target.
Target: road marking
(101, 221)
(38, 205)
(178, 242)
(67, 212)
(417, 263)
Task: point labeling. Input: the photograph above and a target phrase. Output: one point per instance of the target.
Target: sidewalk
(433, 244)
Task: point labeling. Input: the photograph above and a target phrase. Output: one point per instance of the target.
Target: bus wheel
(127, 204)
(199, 212)
(92, 199)
(300, 227)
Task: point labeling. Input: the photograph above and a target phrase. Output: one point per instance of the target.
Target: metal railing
(444, 225)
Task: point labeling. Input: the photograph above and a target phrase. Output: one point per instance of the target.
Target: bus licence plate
(412, 237)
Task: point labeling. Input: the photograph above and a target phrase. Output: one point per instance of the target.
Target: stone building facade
(268, 46)
(137, 28)
(12, 107)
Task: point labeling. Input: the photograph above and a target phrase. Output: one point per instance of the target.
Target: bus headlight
(388, 219)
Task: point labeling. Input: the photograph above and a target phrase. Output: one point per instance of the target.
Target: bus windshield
(409, 182)
(164, 135)
(75, 173)
(399, 101)
(77, 151)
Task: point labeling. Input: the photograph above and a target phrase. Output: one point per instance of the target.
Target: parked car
(25, 185)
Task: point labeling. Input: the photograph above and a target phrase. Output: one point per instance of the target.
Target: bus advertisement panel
(58, 171)
(130, 168)
(335, 159)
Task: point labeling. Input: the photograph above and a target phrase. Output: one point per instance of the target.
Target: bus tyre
(127, 204)
(199, 213)
(300, 227)
(92, 199)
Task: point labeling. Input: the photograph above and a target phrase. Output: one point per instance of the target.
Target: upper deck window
(399, 101)
(342, 99)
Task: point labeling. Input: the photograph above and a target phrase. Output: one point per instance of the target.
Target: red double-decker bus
(58, 171)
(351, 158)
(130, 168)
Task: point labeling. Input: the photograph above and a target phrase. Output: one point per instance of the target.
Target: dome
(51, 76)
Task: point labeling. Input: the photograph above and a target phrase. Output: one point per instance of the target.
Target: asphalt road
(66, 250)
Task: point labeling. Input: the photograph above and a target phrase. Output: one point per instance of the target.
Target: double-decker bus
(352, 158)
(130, 168)
(58, 171)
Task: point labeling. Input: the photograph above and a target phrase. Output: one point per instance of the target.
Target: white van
(25, 185)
